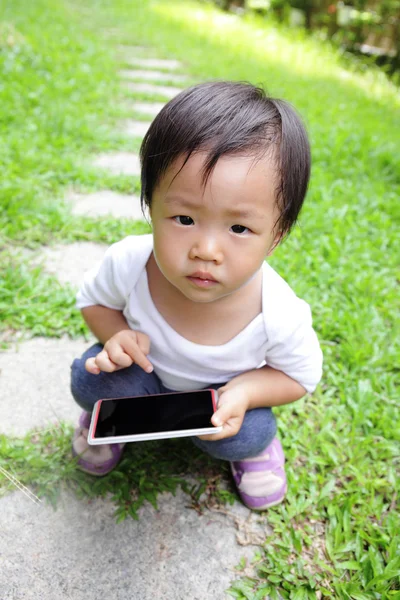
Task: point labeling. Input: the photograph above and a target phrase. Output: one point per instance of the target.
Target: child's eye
(184, 220)
(239, 229)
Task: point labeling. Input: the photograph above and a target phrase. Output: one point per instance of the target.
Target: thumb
(91, 367)
(221, 415)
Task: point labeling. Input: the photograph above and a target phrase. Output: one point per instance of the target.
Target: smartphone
(155, 417)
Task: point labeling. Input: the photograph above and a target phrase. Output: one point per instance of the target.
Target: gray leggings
(257, 431)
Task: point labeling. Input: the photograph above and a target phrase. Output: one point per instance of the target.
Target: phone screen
(154, 414)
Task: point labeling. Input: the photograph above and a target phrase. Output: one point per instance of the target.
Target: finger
(230, 428)
(213, 437)
(221, 390)
(137, 355)
(118, 356)
(104, 363)
(222, 415)
(143, 341)
(216, 419)
(91, 367)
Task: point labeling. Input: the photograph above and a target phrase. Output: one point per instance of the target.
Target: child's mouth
(204, 280)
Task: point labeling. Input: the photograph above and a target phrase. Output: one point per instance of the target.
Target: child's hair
(228, 118)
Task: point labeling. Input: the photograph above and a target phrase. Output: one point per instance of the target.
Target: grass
(337, 534)
(145, 471)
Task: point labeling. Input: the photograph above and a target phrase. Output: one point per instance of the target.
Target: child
(194, 305)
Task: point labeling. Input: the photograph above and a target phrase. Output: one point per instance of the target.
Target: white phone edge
(144, 437)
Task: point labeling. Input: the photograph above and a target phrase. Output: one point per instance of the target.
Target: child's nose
(207, 248)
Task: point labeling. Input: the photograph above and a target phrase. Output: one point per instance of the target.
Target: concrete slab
(78, 552)
(135, 128)
(34, 385)
(130, 50)
(120, 163)
(69, 262)
(154, 63)
(34, 374)
(106, 202)
(151, 75)
(111, 32)
(149, 88)
(148, 108)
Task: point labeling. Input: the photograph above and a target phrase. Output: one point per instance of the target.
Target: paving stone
(154, 63)
(149, 88)
(34, 386)
(151, 75)
(130, 50)
(69, 262)
(111, 32)
(148, 108)
(41, 397)
(79, 552)
(135, 128)
(106, 202)
(120, 163)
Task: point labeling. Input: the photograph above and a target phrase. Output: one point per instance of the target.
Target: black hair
(230, 117)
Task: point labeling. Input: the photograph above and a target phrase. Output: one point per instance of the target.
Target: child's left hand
(232, 406)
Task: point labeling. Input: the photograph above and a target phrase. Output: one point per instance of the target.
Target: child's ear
(278, 238)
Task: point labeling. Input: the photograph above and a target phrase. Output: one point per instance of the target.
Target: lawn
(338, 533)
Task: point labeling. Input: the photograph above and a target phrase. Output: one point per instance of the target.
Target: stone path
(149, 88)
(102, 203)
(153, 63)
(146, 108)
(135, 128)
(119, 163)
(78, 552)
(151, 75)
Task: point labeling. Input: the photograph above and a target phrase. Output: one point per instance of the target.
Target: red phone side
(96, 416)
(214, 399)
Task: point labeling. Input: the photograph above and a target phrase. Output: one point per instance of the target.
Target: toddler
(195, 305)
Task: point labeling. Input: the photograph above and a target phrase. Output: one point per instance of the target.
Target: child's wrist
(241, 393)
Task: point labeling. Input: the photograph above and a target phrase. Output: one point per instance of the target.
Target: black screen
(154, 414)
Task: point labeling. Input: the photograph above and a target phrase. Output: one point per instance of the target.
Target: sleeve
(107, 283)
(293, 345)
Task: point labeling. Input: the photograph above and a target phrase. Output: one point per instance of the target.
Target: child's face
(210, 242)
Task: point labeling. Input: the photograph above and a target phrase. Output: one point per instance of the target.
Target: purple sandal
(261, 481)
(104, 467)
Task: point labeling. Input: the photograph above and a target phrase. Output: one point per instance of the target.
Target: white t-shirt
(281, 336)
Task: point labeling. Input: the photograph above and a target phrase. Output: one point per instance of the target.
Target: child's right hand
(121, 351)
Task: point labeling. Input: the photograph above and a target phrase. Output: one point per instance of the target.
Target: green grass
(146, 470)
(337, 535)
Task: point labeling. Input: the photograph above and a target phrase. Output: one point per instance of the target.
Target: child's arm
(266, 387)
(122, 345)
(104, 322)
(293, 360)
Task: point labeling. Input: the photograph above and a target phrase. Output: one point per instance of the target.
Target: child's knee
(81, 388)
(83, 384)
(259, 429)
(261, 426)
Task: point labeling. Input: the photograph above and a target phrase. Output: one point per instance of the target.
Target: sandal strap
(262, 465)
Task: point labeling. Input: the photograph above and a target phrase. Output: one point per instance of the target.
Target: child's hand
(120, 351)
(232, 406)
